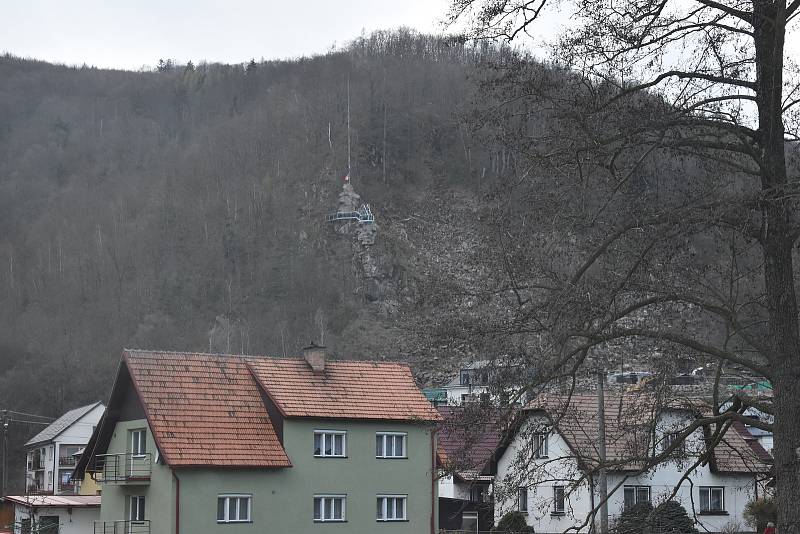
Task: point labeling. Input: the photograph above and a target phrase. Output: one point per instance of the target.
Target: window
(392, 507)
(558, 500)
(329, 507)
(329, 443)
(522, 500)
(138, 442)
(233, 508)
(136, 508)
(712, 499)
(636, 494)
(478, 493)
(670, 439)
(469, 522)
(540, 445)
(390, 445)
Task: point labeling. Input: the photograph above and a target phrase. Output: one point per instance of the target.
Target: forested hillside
(185, 208)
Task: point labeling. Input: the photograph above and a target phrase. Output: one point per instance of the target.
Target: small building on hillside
(51, 452)
(473, 380)
(53, 514)
(203, 442)
(548, 469)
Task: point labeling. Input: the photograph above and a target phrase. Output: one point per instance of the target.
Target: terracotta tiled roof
(467, 443)
(345, 390)
(628, 425)
(205, 410)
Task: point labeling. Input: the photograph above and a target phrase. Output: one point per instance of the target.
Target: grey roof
(61, 424)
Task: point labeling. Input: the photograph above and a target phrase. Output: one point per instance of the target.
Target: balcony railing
(123, 468)
(122, 527)
(66, 461)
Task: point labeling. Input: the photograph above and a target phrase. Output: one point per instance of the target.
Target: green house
(204, 443)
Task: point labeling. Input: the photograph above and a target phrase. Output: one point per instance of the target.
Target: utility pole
(348, 127)
(601, 426)
(5, 454)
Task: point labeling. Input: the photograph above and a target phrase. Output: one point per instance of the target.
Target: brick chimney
(315, 357)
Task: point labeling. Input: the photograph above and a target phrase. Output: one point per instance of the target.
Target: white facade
(559, 469)
(71, 520)
(50, 461)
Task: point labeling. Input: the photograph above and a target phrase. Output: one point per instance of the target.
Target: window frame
(323, 497)
(710, 490)
(141, 450)
(384, 499)
(541, 445)
(635, 488)
(324, 434)
(140, 506)
(563, 500)
(522, 499)
(226, 509)
(393, 435)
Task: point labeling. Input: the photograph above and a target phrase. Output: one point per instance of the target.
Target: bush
(633, 519)
(670, 516)
(513, 522)
(760, 511)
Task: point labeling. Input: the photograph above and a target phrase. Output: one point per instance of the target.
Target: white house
(51, 452)
(64, 514)
(472, 381)
(549, 468)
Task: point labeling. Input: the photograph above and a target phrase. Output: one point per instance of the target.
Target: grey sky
(130, 34)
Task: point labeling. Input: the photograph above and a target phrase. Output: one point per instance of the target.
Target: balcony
(122, 527)
(124, 468)
(66, 461)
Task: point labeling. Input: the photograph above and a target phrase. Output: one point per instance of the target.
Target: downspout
(433, 480)
(177, 502)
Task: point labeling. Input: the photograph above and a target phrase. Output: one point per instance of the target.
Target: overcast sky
(131, 34)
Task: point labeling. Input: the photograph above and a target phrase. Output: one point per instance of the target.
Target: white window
(392, 507)
(636, 494)
(390, 445)
(540, 445)
(522, 500)
(136, 508)
(138, 442)
(558, 500)
(670, 439)
(712, 499)
(233, 508)
(330, 443)
(329, 507)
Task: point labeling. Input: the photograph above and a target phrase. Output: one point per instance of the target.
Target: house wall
(453, 489)
(283, 498)
(74, 521)
(559, 468)
(159, 494)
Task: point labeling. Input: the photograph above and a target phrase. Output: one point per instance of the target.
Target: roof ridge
(255, 356)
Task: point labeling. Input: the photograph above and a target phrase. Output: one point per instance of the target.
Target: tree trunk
(779, 224)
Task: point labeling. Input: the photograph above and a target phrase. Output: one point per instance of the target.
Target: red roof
(345, 390)
(205, 409)
(628, 424)
(467, 441)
